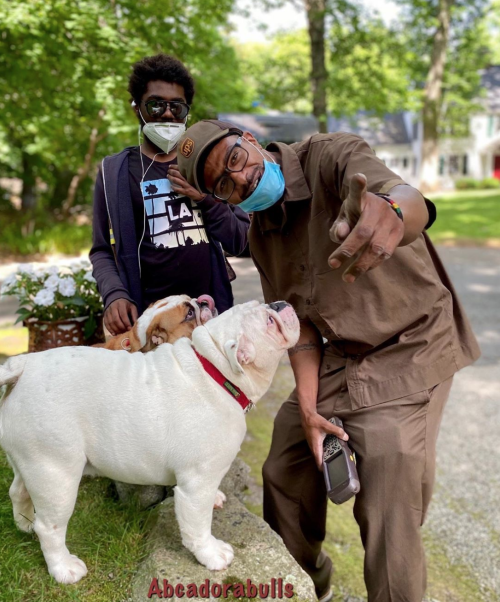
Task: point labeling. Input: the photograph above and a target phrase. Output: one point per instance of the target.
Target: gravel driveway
(465, 512)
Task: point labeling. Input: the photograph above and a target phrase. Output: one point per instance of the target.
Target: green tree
(316, 25)
(493, 27)
(366, 68)
(449, 42)
(429, 60)
(277, 72)
(319, 13)
(64, 66)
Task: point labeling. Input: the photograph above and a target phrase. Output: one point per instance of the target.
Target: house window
(454, 165)
(491, 124)
(441, 165)
(465, 166)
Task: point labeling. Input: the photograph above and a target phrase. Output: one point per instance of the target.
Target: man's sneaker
(327, 596)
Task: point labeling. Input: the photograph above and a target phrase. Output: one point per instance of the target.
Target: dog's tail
(11, 371)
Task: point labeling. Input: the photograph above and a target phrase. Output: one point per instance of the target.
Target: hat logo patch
(187, 147)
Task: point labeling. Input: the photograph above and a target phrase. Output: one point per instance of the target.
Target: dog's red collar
(233, 390)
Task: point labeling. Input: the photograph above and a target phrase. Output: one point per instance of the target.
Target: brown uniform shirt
(400, 327)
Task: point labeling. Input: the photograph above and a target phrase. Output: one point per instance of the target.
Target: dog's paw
(70, 570)
(220, 498)
(216, 555)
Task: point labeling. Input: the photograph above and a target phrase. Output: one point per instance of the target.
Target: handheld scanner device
(339, 467)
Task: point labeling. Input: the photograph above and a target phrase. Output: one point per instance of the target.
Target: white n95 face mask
(165, 135)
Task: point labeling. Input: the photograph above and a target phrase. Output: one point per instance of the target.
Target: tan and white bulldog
(165, 321)
(178, 419)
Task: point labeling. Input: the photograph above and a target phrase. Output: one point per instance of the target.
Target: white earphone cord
(144, 173)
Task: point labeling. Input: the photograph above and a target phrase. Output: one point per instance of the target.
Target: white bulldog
(151, 419)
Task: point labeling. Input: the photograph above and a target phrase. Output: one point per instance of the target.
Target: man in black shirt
(155, 235)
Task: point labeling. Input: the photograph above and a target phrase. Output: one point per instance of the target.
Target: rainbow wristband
(392, 203)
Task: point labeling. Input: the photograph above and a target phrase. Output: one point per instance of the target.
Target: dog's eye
(190, 313)
(270, 320)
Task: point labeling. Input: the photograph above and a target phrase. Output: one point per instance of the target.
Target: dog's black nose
(278, 305)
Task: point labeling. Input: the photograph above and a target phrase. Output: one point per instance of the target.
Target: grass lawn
(107, 536)
(469, 216)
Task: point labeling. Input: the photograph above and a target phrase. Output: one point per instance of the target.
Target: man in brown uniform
(395, 335)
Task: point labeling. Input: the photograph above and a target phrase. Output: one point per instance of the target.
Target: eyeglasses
(236, 162)
(156, 108)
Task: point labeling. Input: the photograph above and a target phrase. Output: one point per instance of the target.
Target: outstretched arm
(367, 225)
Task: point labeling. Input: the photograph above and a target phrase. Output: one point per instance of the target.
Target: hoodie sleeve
(102, 253)
(225, 223)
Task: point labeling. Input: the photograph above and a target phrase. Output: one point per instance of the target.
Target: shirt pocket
(419, 398)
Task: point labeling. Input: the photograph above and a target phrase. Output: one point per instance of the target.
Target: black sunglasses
(156, 108)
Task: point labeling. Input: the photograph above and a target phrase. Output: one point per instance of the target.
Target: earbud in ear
(133, 104)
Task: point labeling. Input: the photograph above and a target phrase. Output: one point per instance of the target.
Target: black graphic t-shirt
(175, 253)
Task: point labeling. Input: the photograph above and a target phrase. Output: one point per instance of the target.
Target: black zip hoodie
(116, 264)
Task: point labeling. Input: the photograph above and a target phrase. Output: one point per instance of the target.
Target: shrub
(490, 183)
(40, 233)
(467, 184)
(472, 184)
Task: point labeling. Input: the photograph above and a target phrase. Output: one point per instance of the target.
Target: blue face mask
(269, 190)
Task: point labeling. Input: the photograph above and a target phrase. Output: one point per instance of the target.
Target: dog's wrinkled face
(254, 336)
(174, 317)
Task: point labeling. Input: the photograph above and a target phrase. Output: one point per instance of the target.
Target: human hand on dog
(316, 429)
(120, 316)
(366, 225)
(181, 186)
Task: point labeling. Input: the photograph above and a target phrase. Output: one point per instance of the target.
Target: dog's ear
(239, 352)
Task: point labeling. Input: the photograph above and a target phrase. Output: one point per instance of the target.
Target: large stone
(260, 555)
(140, 496)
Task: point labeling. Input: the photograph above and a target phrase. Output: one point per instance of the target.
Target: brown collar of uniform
(296, 188)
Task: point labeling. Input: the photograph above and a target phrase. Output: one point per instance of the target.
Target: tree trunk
(315, 10)
(84, 169)
(433, 99)
(28, 193)
(59, 192)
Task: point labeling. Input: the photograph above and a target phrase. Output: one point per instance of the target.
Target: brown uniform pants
(395, 445)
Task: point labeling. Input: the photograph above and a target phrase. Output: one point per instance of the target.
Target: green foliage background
(64, 68)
